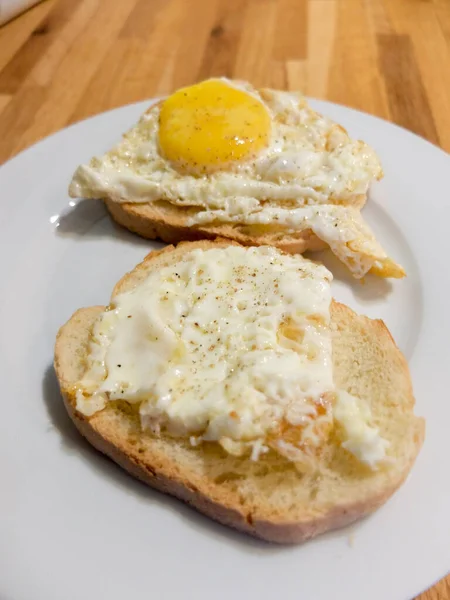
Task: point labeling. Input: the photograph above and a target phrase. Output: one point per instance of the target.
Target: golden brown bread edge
(164, 475)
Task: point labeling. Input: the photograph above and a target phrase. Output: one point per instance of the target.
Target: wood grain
(65, 60)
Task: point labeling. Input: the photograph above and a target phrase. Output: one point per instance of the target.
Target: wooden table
(67, 59)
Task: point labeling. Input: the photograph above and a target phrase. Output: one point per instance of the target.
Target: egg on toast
(257, 166)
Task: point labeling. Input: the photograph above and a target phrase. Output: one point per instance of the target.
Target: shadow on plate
(369, 289)
(72, 442)
(90, 219)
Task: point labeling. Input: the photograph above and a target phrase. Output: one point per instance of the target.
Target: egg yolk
(207, 126)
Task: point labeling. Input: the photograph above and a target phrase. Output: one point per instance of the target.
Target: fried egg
(230, 345)
(234, 154)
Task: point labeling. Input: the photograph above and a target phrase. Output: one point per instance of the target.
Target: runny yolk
(209, 125)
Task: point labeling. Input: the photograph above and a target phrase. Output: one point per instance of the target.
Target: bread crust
(166, 222)
(160, 471)
(272, 531)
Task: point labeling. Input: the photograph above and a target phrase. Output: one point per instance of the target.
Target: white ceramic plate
(73, 526)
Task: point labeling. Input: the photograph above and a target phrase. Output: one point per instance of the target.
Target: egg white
(309, 160)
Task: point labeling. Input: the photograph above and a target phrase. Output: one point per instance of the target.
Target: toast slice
(268, 498)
